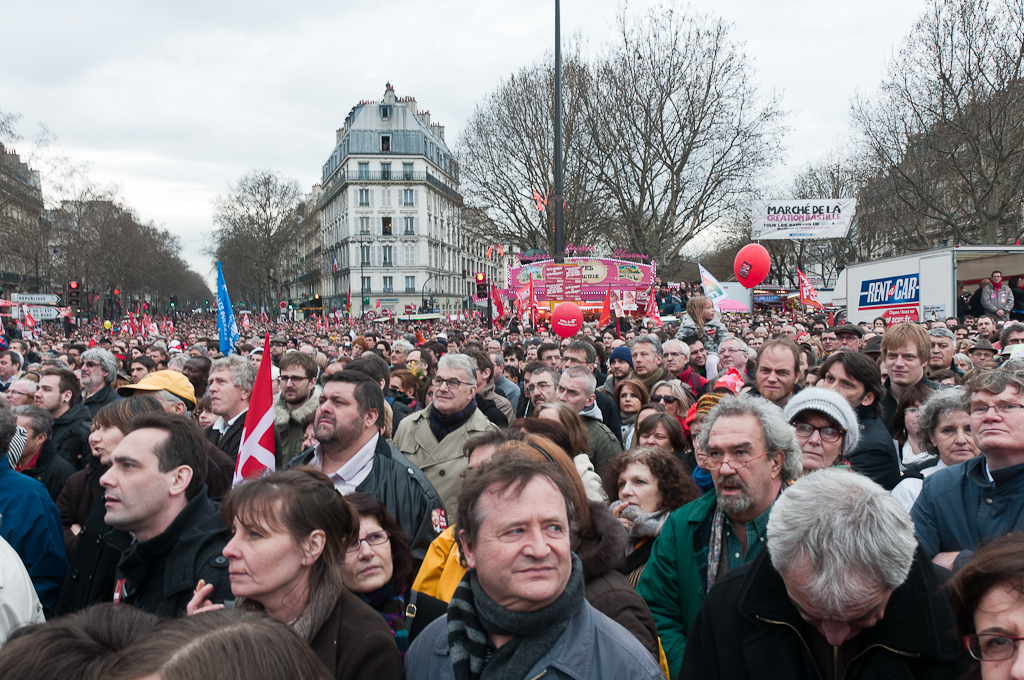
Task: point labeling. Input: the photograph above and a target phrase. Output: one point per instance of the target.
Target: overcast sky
(173, 102)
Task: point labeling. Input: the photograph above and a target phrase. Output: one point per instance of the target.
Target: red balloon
(752, 264)
(567, 319)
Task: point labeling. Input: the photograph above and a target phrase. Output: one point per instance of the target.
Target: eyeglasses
(667, 398)
(91, 364)
(450, 383)
(740, 459)
(827, 434)
(376, 538)
(991, 646)
(1001, 409)
(285, 379)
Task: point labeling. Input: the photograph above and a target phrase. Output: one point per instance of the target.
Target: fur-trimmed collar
(282, 415)
(312, 618)
(606, 550)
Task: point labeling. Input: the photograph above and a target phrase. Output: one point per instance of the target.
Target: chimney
(438, 130)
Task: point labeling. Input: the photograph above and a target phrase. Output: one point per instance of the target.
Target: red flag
(348, 302)
(29, 321)
(541, 202)
(606, 308)
(808, 296)
(652, 308)
(490, 249)
(502, 252)
(245, 321)
(256, 450)
(499, 307)
(378, 303)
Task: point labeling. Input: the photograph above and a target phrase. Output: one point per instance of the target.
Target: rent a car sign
(897, 295)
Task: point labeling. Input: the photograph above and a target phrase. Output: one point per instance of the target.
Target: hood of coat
(606, 550)
(282, 415)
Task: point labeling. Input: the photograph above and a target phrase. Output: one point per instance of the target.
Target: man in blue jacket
(30, 522)
(965, 506)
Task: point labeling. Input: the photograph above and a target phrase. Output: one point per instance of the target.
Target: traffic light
(481, 284)
(117, 291)
(174, 301)
(74, 295)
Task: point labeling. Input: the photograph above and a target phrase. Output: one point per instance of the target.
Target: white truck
(920, 286)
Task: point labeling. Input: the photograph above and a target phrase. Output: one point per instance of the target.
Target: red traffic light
(481, 277)
(73, 285)
(117, 291)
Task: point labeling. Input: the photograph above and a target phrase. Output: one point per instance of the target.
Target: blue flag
(227, 329)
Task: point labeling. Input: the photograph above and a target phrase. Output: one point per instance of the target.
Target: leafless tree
(946, 130)
(680, 134)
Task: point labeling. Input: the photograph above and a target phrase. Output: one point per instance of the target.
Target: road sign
(23, 299)
(371, 315)
(42, 313)
(410, 309)
(283, 305)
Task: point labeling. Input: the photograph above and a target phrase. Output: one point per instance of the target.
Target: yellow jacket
(441, 570)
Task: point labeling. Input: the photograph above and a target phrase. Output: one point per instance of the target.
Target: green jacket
(604, 447)
(673, 581)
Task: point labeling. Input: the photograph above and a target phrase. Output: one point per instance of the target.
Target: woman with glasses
(630, 395)
(673, 396)
(379, 569)
(291, 533)
(826, 428)
(987, 595)
(944, 428)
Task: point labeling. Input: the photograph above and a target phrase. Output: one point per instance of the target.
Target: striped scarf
(472, 614)
(391, 605)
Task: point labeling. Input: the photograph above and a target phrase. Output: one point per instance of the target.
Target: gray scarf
(645, 524)
(472, 615)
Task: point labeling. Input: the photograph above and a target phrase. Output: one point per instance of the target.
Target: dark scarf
(391, 605)
(472, 615)
(442, 425)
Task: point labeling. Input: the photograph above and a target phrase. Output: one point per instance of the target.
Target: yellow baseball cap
(174, 382)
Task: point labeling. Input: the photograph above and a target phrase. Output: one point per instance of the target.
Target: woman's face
(266, 565)
(368, 567)
(309, 437)
(103, 441)
(639, 488)
(663, 395)
(962, 364)
(428, 396)
(910, 414)
(658, 437)
(207, 417)
(629, 402)
(1001, 610)
(952, 437)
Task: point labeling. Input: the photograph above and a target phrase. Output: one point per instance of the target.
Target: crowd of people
(723, 496)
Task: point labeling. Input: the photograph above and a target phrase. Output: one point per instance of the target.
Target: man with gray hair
(231, 381)
(752, 454)
(99, 369)
(400, 353)
(432, 438)
(843, 591)
(576, 387)
(21, 391)
(647, 358)
(943, 348)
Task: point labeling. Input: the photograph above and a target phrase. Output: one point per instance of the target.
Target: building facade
(21, 207)
(391, 216)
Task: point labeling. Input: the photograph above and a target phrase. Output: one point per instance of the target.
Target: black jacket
(70, 435)
(749, 628)
(103, 396)
(406, 492)
(52, 470)
(490, 409)
(160, 573)
(875, 456)
(231, 439)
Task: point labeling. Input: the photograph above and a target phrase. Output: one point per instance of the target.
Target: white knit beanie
(831, 404)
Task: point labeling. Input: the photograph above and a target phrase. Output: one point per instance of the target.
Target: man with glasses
(752, 454)
(352, 453)
(21, 393)
(296, 402)
(849, 338)
(433, 437)
(843, 591)
(965, 506)
(1012, 334)
(99, 369)
(997, 298)
(733, 354)
(541, 388)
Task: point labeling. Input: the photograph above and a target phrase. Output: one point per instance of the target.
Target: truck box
(920, 286)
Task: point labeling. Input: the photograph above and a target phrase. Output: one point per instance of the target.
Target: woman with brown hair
(379, 569)
(904, 425)
(630, 395)
(291, 534)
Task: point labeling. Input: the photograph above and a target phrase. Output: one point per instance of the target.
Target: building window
(410, 284)
(389, 284)
(385, 112)
(366, 284)
(388, 260)
(385, 226)
(364, 171)
(364, 225)
(407, 171)
(385, 171)
(364, 255)
(385, 143)
(364, 198)
(408, 198)
(410, 255)
(410, 225)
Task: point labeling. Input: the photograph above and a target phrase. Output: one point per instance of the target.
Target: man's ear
(182, 478)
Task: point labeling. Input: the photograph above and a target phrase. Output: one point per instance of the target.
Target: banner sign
(808, 296)
(582, 279)
(712, 288)
(797, 220)
(892, 291)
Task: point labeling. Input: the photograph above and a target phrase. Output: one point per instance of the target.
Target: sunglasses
(667, 398)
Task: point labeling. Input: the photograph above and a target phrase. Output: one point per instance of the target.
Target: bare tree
(946, 130)
(680, 134)
(506, 154)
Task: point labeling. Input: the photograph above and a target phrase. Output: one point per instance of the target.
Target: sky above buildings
(171, 102)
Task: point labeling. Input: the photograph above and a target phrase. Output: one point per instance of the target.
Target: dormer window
(385, 112)
(385, 143)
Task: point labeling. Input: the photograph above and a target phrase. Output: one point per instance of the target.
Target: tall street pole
(558, 197)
